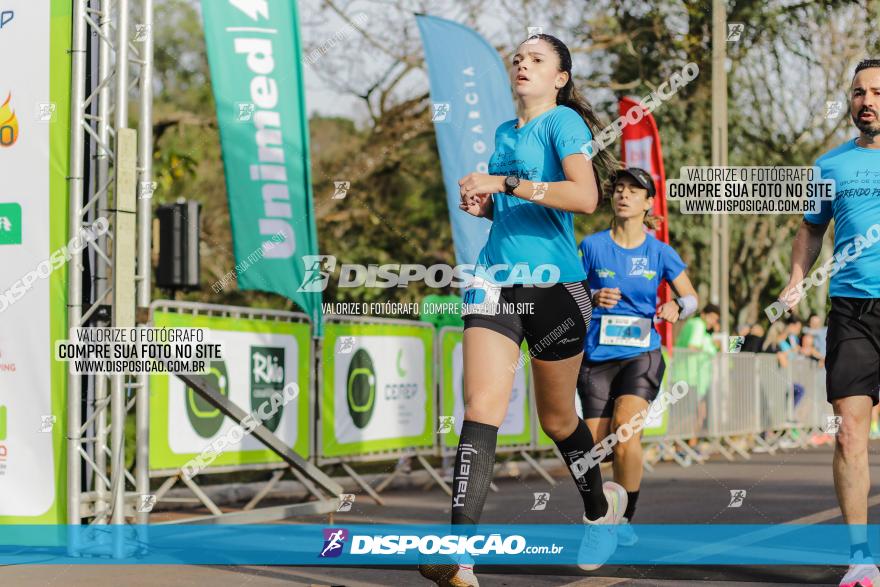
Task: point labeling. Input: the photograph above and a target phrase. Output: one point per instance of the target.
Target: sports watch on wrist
(511, 182)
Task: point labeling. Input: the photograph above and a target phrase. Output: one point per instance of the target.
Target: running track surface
(794, 486)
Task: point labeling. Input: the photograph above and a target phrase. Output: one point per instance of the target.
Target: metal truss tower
(111, 178)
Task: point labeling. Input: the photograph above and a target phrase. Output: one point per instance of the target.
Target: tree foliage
(792, 58)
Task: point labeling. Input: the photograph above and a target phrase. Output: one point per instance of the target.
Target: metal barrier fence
(741, 402)
(736, 403)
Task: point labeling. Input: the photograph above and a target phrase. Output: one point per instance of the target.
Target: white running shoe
(450, 575)
(600, 536)
(862, 573)
(626, 535)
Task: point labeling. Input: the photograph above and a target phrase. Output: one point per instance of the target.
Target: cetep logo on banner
(361, 385)
(361, 388)
(379, 391)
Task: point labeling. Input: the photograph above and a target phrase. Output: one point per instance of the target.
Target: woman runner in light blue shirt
(530, 285)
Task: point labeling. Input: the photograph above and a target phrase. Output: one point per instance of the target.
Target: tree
(791, 59)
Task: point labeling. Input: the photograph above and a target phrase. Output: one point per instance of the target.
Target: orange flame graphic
(8, 124)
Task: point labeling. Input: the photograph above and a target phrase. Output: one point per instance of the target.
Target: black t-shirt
(752, 344)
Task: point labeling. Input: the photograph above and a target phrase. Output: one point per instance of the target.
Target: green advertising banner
(256, 74)
(260, 358)
(516, 429)
(35, 154)
(378, 388)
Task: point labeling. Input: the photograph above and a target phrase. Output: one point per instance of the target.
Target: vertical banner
(261, 357)
(471, 97)
(640, 147)
(34, 162)
(256, 74)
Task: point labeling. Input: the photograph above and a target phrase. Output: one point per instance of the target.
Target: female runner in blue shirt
(539, 177)
(623, 367)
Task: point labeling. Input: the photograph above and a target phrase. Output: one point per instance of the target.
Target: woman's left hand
(474, 184)
(668, 312)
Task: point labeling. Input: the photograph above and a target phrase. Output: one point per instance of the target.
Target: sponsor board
(378, 394)
(259, 358)
(35, 42)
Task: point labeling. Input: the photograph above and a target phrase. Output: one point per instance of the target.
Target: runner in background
(852, 363)
(623, 367)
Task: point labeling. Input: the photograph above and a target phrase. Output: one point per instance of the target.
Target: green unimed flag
(256, 74)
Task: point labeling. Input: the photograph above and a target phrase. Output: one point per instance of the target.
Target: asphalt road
(786, 487)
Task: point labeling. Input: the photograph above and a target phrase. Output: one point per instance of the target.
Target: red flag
(640, 147)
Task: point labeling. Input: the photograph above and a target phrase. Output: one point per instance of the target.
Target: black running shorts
(600, 384)
(553, 320)
(852, 365)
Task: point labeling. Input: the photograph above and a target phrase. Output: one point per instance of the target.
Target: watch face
(511, 181)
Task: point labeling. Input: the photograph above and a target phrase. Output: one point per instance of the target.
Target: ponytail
(652, 222)
(604, 162)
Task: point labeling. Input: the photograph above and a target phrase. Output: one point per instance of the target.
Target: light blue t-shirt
(637, 272)
(525, 233)
(855, 208)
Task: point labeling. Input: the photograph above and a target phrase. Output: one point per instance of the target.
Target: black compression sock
(474, 468)
(632, 498)
(589, 482)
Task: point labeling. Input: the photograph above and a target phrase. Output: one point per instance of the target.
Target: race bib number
(625, 331)
(481, 297)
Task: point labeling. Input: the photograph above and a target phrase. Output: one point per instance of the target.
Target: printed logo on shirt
(649, 274)
(605, 273)
(638, 265)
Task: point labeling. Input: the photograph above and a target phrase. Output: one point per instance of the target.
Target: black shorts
(852, 365)
(553, 320)
(599, 384)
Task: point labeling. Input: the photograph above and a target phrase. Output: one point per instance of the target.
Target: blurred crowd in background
(788, 339)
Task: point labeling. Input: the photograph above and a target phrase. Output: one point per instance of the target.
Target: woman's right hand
(479, 205)
(607, 297)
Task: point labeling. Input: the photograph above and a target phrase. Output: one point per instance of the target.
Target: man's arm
(804, 252)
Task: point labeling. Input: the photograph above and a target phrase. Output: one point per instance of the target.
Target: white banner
(379, 391)
(254, 366)
(27, 459)
(514, 422)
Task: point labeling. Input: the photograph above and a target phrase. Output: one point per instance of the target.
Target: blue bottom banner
(367, 545)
